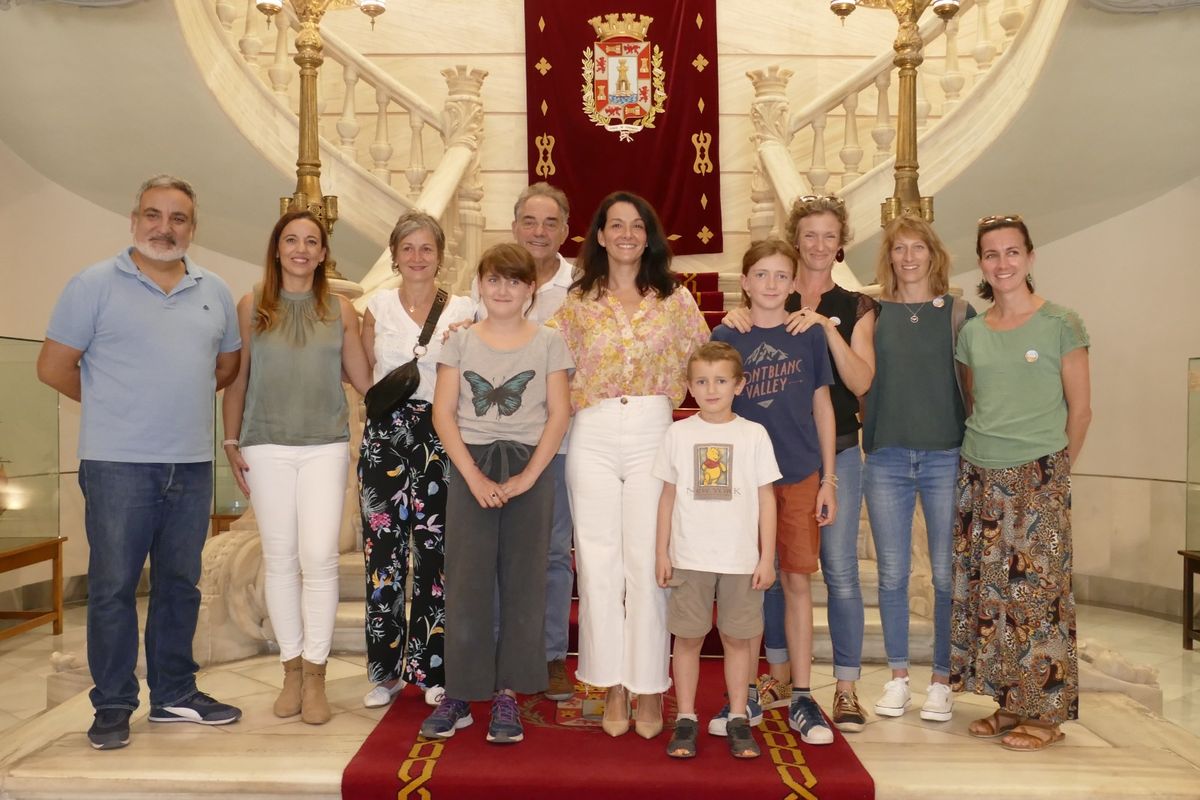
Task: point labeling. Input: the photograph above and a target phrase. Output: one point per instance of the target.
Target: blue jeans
(774, 631)
(894, 477)
(839, 567)
(560, 569)
(132, 511)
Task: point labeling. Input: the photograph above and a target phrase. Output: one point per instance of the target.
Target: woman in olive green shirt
(1013, 613)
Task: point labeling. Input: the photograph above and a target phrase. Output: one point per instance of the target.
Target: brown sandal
(993, 726)
(1030, 738)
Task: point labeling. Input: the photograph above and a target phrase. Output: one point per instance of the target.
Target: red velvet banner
(623, 95)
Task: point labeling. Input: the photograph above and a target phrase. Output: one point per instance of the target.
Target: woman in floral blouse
(630, 329)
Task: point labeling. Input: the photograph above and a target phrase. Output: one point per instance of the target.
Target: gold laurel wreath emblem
(658, 95)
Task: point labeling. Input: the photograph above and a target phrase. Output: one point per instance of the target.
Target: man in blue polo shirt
(142, 341)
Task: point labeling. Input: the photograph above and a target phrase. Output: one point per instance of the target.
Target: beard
(159, 249)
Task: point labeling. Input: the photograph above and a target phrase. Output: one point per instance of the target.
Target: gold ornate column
(906, 199)
(309, 58)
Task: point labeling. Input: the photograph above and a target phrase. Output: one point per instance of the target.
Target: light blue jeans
(839, 567)
(893, 478)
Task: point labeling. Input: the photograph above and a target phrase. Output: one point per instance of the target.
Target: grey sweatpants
(488, 548)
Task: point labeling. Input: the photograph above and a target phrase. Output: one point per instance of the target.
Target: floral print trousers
(402, 473)
(1012, 622)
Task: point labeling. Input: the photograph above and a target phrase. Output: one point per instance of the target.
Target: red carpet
(566, 756)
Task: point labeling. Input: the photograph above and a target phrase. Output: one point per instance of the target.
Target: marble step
(348, 634)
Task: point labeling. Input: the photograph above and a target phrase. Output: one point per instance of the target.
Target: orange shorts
(797, 535)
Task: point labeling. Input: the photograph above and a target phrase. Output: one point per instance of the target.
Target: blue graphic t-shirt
(782, 372)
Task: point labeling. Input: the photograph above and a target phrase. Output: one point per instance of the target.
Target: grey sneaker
(448, 717)
(717, 725)
(505, 725)
(110, 729)
(198, 708)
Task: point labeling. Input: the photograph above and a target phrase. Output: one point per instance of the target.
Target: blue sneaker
(110, 730)
(806, 719)
(716, 725)
(198, 708)
(505, 726)
(448, 717)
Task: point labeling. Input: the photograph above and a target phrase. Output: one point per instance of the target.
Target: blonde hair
(712, 352)
(939, 258)
(823, 204)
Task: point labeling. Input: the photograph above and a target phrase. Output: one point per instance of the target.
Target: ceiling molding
(1140, 6)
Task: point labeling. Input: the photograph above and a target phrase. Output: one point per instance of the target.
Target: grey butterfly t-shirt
(502, 393)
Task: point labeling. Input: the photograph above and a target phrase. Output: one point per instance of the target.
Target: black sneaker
(110, 729)
(198, 708)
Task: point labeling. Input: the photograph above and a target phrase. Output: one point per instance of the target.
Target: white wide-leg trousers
(614, 501)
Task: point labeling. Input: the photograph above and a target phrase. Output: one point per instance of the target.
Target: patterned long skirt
(1012, 622)
(402, 474)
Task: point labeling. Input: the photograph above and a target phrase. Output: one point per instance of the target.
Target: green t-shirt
(1020, 412)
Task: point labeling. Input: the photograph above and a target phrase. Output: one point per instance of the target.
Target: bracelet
(228, 442)
(830, 479)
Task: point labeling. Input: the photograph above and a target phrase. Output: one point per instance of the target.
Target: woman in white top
(402, 475)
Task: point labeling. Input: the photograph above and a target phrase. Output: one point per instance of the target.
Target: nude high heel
(616, 711)
(649, 728)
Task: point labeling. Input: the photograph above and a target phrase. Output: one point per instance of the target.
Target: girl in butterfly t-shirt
(500, 408)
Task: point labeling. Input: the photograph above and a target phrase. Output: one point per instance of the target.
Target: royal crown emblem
(623, 78)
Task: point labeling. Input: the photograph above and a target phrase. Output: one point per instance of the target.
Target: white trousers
(614, 501)
(297, 494)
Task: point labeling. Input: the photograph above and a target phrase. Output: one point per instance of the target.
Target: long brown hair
(939, 258)
(266, 313)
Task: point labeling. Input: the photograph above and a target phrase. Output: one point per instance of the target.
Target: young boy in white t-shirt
(716, 539)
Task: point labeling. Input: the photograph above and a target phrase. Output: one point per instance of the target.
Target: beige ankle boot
(288, 702)
(314, 708)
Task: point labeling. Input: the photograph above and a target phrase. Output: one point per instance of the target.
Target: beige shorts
(689, 609)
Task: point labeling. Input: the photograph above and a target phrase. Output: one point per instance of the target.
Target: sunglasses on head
(999, 219)
(813, 198)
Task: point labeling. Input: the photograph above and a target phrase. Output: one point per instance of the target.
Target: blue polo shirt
(149, 359)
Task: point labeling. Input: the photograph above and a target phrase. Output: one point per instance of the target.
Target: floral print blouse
(642, 355)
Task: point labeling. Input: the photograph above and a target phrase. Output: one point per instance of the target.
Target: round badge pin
(938, 302)
(1031, 356)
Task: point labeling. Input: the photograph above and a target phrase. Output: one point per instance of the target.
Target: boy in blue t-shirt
(787, 391)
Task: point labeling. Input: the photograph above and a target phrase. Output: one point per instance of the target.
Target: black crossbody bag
(394, 389)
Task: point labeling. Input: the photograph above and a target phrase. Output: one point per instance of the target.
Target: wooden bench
(17, 552)
(1191, 565)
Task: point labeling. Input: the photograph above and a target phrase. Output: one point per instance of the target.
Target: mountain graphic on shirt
(765, 352)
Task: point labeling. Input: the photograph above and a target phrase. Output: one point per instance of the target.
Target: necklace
(915, 315)
(412, 307)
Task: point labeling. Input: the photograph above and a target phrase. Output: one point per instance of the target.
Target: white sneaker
(434, 695)
(381, 695)
(939, 703)
(896, 698)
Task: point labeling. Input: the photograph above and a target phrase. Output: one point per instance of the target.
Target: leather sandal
(1029, 738)
(741, 739)
(683, 742)
(998, 724)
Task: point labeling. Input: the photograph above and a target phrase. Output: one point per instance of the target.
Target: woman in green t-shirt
(1013, 613)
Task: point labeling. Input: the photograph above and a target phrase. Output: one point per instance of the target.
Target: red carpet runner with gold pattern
(566, 756)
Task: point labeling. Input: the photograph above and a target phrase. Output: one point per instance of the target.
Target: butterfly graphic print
(506, 397)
